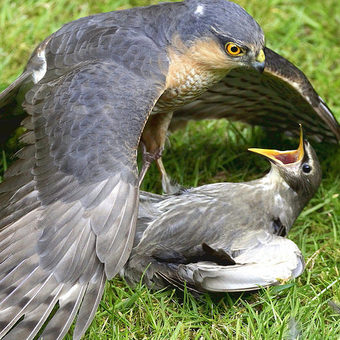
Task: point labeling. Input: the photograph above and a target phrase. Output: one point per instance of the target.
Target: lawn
(308, 34)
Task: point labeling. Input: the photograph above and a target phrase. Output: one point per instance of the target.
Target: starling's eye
(306, 168)
(233, 50)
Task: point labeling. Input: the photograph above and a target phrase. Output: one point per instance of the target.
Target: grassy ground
(309, 35)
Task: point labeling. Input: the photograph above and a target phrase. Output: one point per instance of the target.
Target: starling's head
(225, 30)
(299, 168)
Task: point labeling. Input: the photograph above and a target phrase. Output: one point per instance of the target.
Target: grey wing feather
(60, 224)
(69, 203)
(61, 321)
(278, 99)
(11, 110)
(89, 305)
(97, 37)
(6, 96)
(146, 212)
(90, 165)
(35, 318)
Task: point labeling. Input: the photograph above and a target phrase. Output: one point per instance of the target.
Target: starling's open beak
(259, 62)
(283, 157)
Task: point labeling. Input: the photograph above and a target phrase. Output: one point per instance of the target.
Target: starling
(226, 236)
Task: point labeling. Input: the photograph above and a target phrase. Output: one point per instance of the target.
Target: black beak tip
(259, 66)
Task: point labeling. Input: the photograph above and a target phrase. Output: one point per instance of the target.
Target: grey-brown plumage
(226, 236)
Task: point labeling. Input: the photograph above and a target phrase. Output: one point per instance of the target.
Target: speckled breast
(184, 86)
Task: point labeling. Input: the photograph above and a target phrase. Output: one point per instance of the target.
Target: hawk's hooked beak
(259, 62)
(283, 157)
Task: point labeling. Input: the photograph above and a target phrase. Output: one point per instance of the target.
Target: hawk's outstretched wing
(279, 99)
(69, 204)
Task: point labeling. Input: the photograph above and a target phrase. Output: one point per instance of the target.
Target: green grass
(307, 33)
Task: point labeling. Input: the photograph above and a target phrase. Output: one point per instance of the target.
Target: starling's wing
(171, 231)
(278, 99)
(69, 203)
(146, 212)
(263, 260)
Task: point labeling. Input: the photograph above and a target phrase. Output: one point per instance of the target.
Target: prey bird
(226, 237)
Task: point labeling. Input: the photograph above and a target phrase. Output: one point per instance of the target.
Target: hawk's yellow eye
(233, 50)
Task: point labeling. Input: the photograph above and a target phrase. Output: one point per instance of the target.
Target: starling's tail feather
(259, 266)
(214, 278)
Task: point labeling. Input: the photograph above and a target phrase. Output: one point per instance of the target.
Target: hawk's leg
(167, 187)
(152, 143)
(148, 158)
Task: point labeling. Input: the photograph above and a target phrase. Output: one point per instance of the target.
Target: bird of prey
(226, 236)
(91, 92)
